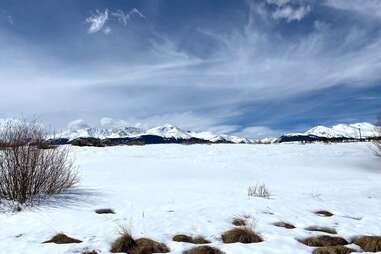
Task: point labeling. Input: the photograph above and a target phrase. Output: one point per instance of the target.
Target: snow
(160, 190)
(168, 131)
(343, 130)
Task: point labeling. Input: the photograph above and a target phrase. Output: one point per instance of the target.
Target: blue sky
(253, 68)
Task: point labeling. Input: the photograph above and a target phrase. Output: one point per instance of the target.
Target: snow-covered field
(160, 190)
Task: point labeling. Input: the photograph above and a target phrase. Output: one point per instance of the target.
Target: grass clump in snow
(322, 229)
(259, 191)
(203, 250)
(104, 211)
(189, 239)
(324, 213)
(324, 241)
(125, 243)
(239, 222)
(62, 239)
(369, 243)
(284, 225)
(333, 250)
(241, 235)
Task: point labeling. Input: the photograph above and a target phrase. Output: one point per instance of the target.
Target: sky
(253, 68)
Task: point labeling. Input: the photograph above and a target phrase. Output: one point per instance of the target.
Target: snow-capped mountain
(354, 131)
(167, 131)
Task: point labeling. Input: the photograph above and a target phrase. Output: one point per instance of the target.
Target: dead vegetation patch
(333, 250)
(104, 211)
(190, 239)
(324, 213)
(369, 243)
(127, 244)
(62, 239)
(324, 241)
(89, 252)
(239, 222)
(322, 229)
(284, 225)
(203, 250)
(242, 235)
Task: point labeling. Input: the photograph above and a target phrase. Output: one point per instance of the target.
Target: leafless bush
(377, 141)
(28, 172)
(259, 190)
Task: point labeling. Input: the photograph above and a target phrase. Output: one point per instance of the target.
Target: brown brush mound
(324, 241)
(333, 250)
(62, 239)
(322, 229)
(104, 211)
(182, 238)
(123, 244)
(369, 243)
(242, 235)
(203, 250)
(89, 252)
(200, 240)
(239, 222)
(284, 225)
(148, 246)
(324, 213)
(189, 239)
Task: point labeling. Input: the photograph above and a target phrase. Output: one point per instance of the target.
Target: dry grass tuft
(333, 250)
(242, 235)
(284, 225)
(324, 213)
(369, 243)
(104, 211)
(324, 241)
(62, 239)
(203, 250)
(123, 243)
(126, 244)
(239, 222)
(259, 191)
(322, 229)
(189, 239)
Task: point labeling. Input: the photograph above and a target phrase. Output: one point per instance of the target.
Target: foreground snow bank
(161, 190)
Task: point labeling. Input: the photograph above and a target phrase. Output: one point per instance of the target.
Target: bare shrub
(259, 190)
(28, 170)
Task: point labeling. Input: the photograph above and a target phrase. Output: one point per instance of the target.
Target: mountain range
(171, 134)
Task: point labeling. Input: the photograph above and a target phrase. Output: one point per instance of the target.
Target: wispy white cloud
(99, 20)
(291, 13)
(124, 17)
(370, 8)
